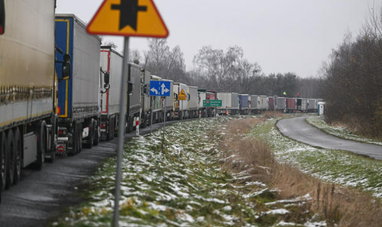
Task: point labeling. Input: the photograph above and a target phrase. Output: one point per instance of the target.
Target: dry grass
(336, 204)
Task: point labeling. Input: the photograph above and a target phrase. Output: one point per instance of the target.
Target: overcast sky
(281, 35)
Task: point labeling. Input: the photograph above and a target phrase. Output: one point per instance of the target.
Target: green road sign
(212, 103)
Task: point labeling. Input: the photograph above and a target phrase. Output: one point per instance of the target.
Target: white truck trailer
(110, 79)
(193, 100)
(181, 106)
(28, 86)
(230, 103)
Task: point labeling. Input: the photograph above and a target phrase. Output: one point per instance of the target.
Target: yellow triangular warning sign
(182, 95)
(128, 18)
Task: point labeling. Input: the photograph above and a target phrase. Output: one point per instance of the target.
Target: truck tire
(110, 133)
(41, 145)
(18, 150)
(143, 122)
(96, 133)
(90, 140)
(11, 158)
(3, 161)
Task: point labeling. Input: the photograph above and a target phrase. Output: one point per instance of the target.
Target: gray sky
(281, 35)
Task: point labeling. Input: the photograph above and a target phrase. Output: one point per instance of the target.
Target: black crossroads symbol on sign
(128, 13)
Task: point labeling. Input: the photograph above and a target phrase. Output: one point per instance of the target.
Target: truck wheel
(11, 158)
(41, 145)
(18, 150)
(96, 133)
(90, 139)
(3, 161)
(144, 122)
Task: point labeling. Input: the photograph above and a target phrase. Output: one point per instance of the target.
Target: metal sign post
(151, 116)
(164, 121)
(107, 22)
(121, 131)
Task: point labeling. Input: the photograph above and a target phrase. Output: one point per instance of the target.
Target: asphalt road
(298, 129)
(41, 196)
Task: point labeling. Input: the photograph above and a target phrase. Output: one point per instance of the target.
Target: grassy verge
(340, 131)
(346, 188)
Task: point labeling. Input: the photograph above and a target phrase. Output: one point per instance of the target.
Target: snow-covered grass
(181, 185)
(333, 166)
(339, 131)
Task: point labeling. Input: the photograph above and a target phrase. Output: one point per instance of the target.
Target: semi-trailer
(255, 104)
(28, 87)
(110, 79)
(145, 98)
(244, 104)
(193, 101)
(78, 96)
(230, 103)
(290, 105)
(181, 106)
(133, 105)
(281, 104)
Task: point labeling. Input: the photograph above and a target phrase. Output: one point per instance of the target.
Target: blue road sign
(160, 88)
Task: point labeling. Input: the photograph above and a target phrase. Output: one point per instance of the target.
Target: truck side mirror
(2, 17)
(66, 67)
(130, 88)
(106, 78)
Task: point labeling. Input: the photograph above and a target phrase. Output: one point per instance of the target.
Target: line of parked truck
(60, 90)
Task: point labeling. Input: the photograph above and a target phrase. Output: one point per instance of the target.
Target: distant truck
(202, 96)
(244, 104)
(78, 96)
(181, 106)
(28, 87)
(211, 95)
(230, 103)
(290, 105)
(133, 95)
(145, 98)
(110, 79)
(193, 101)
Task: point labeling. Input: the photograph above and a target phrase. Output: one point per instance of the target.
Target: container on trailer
(110, 99)
(271, 103)
(78, 108)
(193, 100)
(264, 102)
(202, 96)
(301, 104)
(255, 104)
(290, 104)
(281, 103)
(244, 103)
(312, 105)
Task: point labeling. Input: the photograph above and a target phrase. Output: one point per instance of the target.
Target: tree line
(352, 80)
(222, 71)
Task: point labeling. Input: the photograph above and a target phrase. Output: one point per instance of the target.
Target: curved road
(298, 129)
